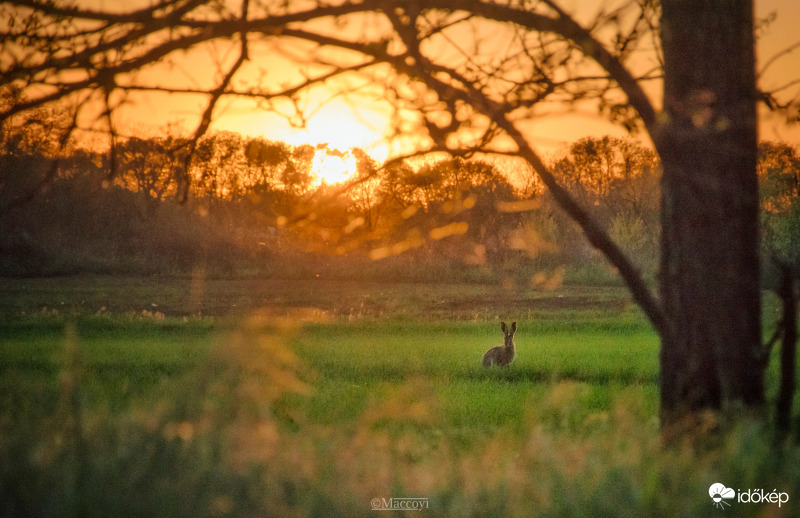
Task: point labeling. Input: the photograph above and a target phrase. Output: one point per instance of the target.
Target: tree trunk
(710, 271)
(783, 410)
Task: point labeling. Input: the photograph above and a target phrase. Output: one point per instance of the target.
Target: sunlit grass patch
(363, 360)
(271, 415)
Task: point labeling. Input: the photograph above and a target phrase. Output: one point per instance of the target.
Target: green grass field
(248, 397)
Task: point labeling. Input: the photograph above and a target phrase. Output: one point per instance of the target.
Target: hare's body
(502, 355)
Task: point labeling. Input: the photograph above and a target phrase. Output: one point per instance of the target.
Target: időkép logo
(721, 496)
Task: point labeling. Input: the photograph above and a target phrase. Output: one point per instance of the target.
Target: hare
(502, 355)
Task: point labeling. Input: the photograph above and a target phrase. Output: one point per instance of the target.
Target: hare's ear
(513, 327)
(503, 327)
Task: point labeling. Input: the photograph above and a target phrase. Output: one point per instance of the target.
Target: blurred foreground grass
(316, 408)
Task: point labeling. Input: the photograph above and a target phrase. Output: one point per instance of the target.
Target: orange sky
(781, 34)
(343, 124)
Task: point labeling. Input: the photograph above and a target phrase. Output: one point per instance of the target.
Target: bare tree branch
(216, 94)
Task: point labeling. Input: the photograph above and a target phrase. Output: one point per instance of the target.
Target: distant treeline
(251, 205)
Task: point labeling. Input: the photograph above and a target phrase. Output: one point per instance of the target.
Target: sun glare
(332, 167)
(340, 126)
(338, 123)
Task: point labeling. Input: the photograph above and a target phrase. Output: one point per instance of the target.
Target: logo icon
(719, 493)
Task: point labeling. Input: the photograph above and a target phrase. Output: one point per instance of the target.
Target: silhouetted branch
(472, 91)
(216, 94)
(497, 112)
(778, 55)
(568, 28)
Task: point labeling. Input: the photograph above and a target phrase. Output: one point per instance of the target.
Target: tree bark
(710, 274)
(783, 407)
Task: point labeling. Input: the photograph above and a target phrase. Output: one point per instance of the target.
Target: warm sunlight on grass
(338, 399)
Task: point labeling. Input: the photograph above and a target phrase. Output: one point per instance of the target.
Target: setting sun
(333, 166)
(337, 123)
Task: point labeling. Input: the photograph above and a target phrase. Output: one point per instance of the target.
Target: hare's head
(509, 333)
